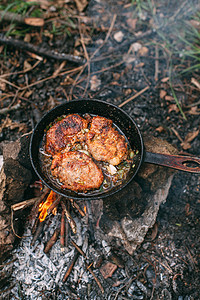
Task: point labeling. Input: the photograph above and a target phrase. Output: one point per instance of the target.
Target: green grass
(21, 7)
(191, 40)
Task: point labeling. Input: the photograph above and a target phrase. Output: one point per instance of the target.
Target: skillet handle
(174, 161)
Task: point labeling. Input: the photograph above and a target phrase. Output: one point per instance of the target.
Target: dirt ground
(129, 49)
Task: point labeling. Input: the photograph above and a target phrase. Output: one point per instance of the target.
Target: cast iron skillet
(122, 120)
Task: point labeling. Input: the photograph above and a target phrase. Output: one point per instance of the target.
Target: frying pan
(129, 128)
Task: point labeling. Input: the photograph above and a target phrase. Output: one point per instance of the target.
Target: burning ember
(43, 207)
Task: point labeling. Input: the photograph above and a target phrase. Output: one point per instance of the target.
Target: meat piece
(65, 133)
(76, 171)
(104, 142)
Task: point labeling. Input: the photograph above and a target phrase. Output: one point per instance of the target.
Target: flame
(85, 209)
(43, 207)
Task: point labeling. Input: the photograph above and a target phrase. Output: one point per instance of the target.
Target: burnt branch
(73, 261)
(69, 217)
(52, 240)
(17, 18)
(40, 51)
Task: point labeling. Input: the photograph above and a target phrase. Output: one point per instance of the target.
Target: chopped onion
(85, 151)
(131, 154)
(111, 169)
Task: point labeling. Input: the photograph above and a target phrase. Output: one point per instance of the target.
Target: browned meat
(76, 171)
(105, 143)
(65, 133)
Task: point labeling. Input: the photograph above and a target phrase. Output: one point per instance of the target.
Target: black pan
(129, 128)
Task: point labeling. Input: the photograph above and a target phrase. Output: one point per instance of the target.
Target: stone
(130, 213)
(15, 176)
(118, 36)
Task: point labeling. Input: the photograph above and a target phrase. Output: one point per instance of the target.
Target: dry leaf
(8, 123)
(135, 47)
(81, 4)
(163, 93)
(187, 209)
(169, 98)
(185, 145)
(27, 65)
(195, 82)
(94, 83)
(115, 83)
(195, 24)
(2, 85)
(160, 129)
(194, 111)
(189, 138)
(27, 38)
(28, 94)
(38, 22)
(165, 79)
(140, 65)
(127, 58)
(143, 51)
(132, 23)
(118, 36)
(108, 269)
(173, 107)
(116, 76)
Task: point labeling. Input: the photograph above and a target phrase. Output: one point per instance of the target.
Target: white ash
(38, 273)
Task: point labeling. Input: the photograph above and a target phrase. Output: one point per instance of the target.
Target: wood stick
(69, 218)
(24, 46)
(134, 96)
(67, 232)
(17, 18)
(24, 204)
(37, 233)
(54, 204)
(62, 230)
(52, 240)
(35, 225)
(75, 205)
(88, 266)
(72, 263)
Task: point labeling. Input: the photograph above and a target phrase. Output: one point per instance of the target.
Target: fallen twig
(54, 204)
(69, 218)
(37, 233)
(20, 72)
(73, 261)
(62, 231)
(17, 18)
(40, 51)
(88, 267)
(52, 240)
(18, 206)
(24, 204)
(75, 205)
(6, 110)
(134, 96)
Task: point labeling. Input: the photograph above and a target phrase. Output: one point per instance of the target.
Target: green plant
(22, 8)
(191, 40)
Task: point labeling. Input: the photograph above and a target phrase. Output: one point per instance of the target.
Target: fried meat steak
(76, 171)
(104, 142)
(64, 133)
